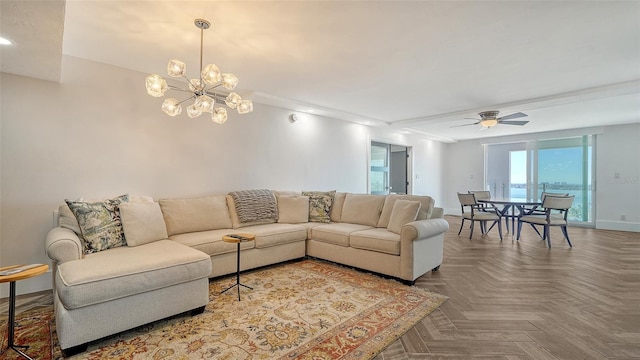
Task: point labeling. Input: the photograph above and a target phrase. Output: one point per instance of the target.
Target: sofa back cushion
(336, 208)
(66, 219)
(278, 193)
(142, 222)
(293, 209)
(183, 215)
(362, 209)
(426, 207)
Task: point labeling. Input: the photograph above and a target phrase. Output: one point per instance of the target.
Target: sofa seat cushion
(380, 240)
(309, 226)
(268, 235)
(337, 233)
(124, 271)
(210, 242)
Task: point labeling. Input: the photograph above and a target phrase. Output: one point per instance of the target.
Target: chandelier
(200, 90)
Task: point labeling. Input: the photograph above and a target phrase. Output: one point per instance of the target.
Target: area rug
(301, 310)
(34, 327)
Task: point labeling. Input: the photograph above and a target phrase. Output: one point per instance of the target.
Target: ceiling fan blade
(466, 125)
(517, 122)
(513, 116)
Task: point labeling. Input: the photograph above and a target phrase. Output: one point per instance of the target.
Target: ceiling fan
(490, 118)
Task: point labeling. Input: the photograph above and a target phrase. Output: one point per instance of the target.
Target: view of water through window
(558, 166)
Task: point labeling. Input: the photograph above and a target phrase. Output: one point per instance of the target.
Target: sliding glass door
(564, 166)
(526, 169)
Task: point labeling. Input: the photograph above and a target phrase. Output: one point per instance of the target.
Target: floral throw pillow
(100, 223)
(320, 203)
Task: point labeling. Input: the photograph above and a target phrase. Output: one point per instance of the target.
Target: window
(525, 169)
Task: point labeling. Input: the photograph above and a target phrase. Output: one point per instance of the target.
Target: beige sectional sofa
(174, 245)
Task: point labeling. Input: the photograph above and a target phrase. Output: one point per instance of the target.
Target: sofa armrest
(422, 229)
(421, 247)
(63, 245)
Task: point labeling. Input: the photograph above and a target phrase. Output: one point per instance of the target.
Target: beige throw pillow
(404, 212)
(293, 209)
(142, 222)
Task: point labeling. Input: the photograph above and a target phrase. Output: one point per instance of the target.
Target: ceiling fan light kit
(490, 119)
(201, 89)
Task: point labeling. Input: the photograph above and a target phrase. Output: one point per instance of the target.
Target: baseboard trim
(31, 285)
(617, 225)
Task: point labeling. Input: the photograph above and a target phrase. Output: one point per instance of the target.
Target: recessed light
(4, 41)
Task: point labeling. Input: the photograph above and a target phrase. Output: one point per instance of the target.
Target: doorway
(389, 169)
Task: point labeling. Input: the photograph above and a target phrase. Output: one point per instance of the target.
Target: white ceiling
(418, 66)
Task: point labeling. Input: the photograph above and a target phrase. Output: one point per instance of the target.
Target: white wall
(618, 155)
(617, 152)
(98, 134)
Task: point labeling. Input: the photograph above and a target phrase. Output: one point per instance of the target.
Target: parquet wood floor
(520, 300)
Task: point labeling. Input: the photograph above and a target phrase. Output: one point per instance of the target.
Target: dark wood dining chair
(473, 212)
(556, 208)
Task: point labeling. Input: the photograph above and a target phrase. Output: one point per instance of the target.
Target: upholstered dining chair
(483, 195)
(473, 212)
(537, 211)
(556, 208)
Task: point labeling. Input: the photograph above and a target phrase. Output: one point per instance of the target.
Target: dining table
(507, 207)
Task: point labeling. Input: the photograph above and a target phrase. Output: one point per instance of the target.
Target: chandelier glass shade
(201, 90)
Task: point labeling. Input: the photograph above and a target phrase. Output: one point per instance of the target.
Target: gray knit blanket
(255, 205)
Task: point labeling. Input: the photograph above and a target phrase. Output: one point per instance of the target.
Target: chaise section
(153, 280)
(123, 271)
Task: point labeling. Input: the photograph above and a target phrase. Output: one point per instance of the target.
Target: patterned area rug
(302, 310)
(34, 327)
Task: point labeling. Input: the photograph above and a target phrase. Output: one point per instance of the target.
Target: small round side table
(29, 272)
(238, 238)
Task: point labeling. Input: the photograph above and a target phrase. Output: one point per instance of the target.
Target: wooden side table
(238, 238)
(31, 271)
